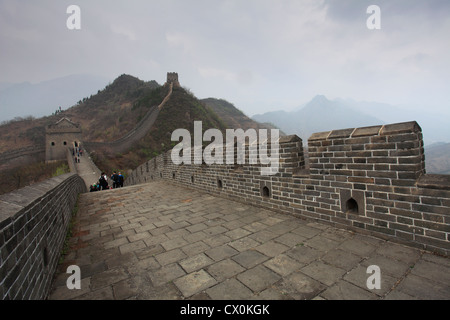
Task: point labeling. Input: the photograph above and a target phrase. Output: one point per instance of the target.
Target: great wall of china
(31, 154)
(369, 180)
(124, 143)
(22, 156)
(34, 220)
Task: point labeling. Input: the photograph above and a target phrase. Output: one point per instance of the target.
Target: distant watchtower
(60, 136)
(172, 77)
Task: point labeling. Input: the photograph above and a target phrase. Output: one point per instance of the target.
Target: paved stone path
(88, 170)
(162, 241)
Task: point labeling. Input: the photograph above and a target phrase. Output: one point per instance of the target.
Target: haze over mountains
(437, 158)
(319, 114)
(43, 98)
(322, 114)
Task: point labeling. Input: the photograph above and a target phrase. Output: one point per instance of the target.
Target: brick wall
(33, 226)
(23, 156)
(56, 144)
(370, 180)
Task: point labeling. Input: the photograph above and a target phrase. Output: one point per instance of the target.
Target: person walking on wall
(103, 182)
(115, 179)
(120, 181)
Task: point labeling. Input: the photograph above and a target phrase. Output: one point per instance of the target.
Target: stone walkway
(162, 241)
(88, 170)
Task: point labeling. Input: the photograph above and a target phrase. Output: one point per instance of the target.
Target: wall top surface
(382, 130)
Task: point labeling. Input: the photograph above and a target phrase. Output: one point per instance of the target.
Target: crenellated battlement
(370, 180)
(391, 154)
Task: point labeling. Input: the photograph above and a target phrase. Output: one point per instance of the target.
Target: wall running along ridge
(32, 154)
(124, 143)
(23, 156)
(370, 180)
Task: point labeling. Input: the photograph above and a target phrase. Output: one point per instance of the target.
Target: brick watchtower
(59, 137)
(172, 77)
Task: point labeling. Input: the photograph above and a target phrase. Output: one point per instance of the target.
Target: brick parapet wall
(370, 180)
(33, 225)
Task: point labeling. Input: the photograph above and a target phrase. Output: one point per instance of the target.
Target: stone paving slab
(162, 241)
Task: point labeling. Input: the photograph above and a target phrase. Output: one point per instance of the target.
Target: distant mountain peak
(319, 114)
(126, 78)
(320, 98)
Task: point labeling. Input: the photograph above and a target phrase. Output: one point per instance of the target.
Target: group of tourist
(77, 152)
(102, 184)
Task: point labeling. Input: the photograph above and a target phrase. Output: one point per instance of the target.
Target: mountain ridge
(114, 111)
(319, 114)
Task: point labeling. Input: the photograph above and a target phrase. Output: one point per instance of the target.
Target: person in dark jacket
(103, 182)
(120, 182)
(115, 179)
(94, 187)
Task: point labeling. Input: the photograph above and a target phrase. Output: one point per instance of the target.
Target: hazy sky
(261, 55)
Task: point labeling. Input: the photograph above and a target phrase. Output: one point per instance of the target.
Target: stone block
(299, 286)
(224, 269)
(230, 289)
(399, 128)
(283, 264)
(434, 181)
(319, 136)
(289, 138)
(258, 278)
(366, 131)
(250, 258)
(194, 283)
(164, 275)
(169, 257)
